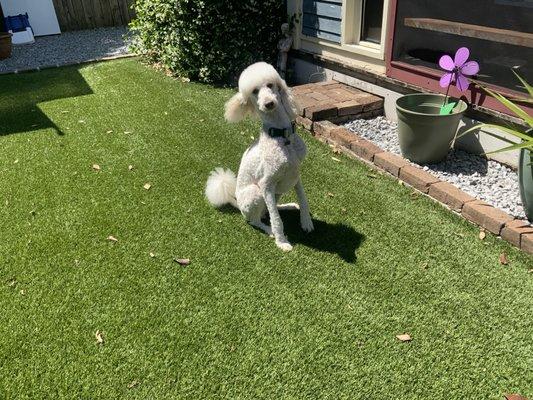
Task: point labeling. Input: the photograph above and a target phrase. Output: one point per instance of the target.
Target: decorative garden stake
(457, 71)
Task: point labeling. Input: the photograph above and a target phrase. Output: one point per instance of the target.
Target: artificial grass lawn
(243, 320)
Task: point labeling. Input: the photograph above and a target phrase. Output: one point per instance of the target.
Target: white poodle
(270, 167)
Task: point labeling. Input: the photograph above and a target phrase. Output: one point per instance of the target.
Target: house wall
(88, 14)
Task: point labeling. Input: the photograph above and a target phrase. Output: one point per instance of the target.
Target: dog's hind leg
(253, 207)
(261, 225)
(288, 206)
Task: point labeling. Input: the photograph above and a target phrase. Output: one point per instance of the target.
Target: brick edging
(516, 232)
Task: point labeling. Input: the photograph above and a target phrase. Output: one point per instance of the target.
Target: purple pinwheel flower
(457, 69)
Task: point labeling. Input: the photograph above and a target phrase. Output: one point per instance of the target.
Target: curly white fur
(220, 187)
(270, 167)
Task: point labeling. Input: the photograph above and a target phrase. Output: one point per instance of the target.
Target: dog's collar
(281, 132)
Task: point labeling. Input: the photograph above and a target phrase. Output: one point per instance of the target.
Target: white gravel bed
(67, 48)
(486, 180)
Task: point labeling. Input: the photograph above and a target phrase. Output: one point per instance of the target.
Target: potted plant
(525, 135)
(427, 123)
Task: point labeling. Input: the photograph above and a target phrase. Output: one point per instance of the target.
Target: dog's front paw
(307, 224)
(285, 246)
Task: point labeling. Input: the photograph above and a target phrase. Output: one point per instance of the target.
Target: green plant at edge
(526, 139)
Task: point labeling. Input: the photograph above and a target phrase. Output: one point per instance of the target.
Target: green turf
(244, 320)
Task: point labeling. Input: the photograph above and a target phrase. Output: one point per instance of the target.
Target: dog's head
(261, 91)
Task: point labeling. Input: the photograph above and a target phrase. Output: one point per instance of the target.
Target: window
(499, 34)
(353, 25)
(372, 21)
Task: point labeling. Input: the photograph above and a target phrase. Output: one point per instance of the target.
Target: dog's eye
(255, 91)
(270, 86)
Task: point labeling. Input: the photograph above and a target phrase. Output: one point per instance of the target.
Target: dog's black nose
(269, 105)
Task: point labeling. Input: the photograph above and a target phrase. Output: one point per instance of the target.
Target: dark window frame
(428, 78)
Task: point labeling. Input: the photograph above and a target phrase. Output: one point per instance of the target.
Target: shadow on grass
(22, 93)
(338, 239)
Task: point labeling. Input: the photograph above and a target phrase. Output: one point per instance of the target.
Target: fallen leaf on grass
(331, 194)
(503, 259)
(132, 384)
(96, 167)
(16, 161)
(81, 121)
(99, 335)
(335, 159)
(482, 235)
(112, 239)
(182, 261)
(109, 131)
(147, 186)
(343, 209)
(12, 282)
(514, 396)
(127, 132)
(130, 167)
(152, 255)
(404, 337)
(530, 271)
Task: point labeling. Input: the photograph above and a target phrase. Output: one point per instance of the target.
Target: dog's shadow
(338, 239)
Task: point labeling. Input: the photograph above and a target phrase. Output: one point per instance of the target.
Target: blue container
(17, 23)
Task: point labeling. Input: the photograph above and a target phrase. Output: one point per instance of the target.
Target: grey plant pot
(425, 136)
(525, 179)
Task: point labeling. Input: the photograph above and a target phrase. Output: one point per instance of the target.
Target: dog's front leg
(305, 217)
(269, 194)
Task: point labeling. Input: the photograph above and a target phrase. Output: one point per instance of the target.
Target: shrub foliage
(207, 40)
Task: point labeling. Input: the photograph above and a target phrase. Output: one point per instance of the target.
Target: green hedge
(207, 40)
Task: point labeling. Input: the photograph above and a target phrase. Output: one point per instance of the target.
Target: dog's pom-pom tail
(220, 188)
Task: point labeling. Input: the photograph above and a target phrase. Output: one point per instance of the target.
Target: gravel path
(67, 48)
(484, 179)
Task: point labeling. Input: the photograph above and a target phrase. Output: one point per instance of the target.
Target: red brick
(373, 104)
(342, 136)
(298, 90)
(329, 82)
(526, 243)
(364, 148)
(450, 195)
(321, 111)
(340, 94)
(417, 178)
(329, 88)
(349, 107)
(485, 215)
(323, 128)
(319, 96)
(513, 230)
(390, 162)
(305, 122)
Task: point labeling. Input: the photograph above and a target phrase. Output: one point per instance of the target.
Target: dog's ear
(288, 100)
(237, 108)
